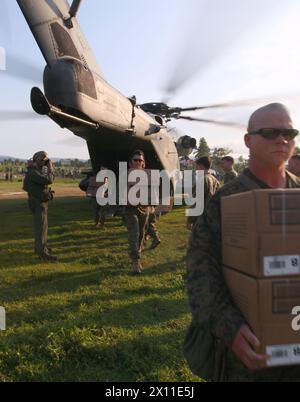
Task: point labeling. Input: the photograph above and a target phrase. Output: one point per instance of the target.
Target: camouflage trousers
(100, 212)
(151, 228)
(235, 371)
(40, 223)
(136, 221)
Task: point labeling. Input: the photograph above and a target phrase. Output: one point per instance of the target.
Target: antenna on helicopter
(73, 12)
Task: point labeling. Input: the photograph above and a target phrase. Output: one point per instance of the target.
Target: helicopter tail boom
(56, 38)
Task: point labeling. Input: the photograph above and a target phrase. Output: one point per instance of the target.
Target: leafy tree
(203, 149)
(241, 164)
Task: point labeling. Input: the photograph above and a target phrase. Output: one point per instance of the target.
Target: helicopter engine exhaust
(185, 145)
(65, 80)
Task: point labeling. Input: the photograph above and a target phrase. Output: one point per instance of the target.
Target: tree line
(216, 154)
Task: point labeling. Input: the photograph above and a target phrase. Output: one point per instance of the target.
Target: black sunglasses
(272, 133)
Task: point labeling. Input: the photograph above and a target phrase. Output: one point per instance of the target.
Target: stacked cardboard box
(261, 258)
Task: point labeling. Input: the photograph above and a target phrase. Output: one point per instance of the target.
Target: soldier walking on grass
(39, 176)
(136, 219)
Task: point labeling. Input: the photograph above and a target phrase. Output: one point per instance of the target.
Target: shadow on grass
(100, 311)
(65, 355)
(92, 321)
(54, 283)
(93, 344)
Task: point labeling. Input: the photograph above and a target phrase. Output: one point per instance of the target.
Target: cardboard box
(267, 305)
(261, 232)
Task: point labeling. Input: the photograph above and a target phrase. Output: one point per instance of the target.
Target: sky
(215, 50)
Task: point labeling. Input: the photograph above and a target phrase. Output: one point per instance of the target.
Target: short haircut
(137, 152)
(271, 108)
(204, 161)
(228, 159)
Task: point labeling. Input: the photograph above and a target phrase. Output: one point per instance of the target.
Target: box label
(282, 265)
(283, 355)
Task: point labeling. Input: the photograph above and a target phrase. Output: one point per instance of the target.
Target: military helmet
(40, 156)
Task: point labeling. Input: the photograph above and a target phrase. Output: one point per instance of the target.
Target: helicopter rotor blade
(248, 102)
(21, 69)
(12, 115)
(5, 25)
(14, 66)
(216, 122)
(204, 43)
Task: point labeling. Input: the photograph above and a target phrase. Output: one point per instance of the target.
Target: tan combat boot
(156, 242)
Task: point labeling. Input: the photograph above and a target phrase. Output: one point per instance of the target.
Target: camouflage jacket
(211, 186)
(210, 301)
(230, 176)
(36, 184)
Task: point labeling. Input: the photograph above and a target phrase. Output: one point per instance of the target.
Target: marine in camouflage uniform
(227, 165)
(230, 176)
(136, 219)
(211, 185)
(212, 307)
(37, 179)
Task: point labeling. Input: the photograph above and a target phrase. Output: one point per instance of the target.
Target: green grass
(86, 318)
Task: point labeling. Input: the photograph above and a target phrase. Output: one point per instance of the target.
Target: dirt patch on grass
(59, 192)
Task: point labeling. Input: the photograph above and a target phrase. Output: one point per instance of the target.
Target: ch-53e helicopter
(77, 97)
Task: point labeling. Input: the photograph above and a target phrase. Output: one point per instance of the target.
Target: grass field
(86, 318)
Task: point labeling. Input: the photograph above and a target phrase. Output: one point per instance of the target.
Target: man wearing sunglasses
(271, 142)
(136, 219)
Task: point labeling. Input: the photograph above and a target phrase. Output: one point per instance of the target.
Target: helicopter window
(65, 45)
(159, 120)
